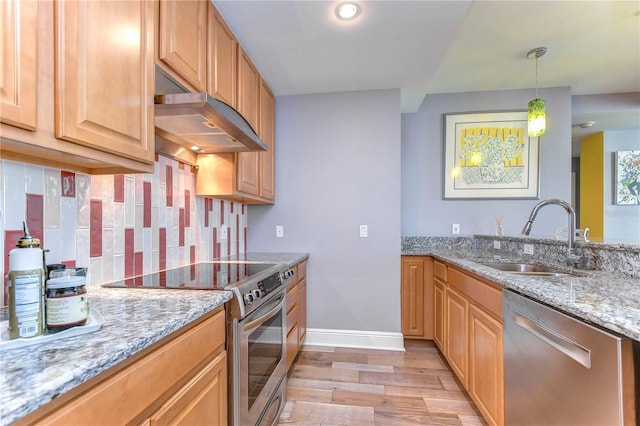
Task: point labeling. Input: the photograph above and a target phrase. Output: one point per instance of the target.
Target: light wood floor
(340, 386)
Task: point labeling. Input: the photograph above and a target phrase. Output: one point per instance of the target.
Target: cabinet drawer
(201, 401)
(143, 384)
(292, 345)
(292, 318)
(302, 270)
(440, 270)
(485, 295)
(292, 297)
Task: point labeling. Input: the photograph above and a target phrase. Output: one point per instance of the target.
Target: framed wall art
(627, 178)
(489, 155)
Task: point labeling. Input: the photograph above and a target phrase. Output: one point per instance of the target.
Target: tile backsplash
(117, 225)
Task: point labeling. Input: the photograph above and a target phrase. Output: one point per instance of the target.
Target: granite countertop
(606, 299)
(136, 318)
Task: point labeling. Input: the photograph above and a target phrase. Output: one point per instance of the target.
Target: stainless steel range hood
(188, 123)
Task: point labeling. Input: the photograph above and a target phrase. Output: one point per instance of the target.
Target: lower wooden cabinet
(202, 401)
(466, 314)
(180, 380)
(457, 334)
(417, 297)
(302, 309)
(486, 365)
(296, 313)
(471, 339)
(438, 313)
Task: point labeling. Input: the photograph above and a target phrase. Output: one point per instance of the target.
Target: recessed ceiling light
(347, 11)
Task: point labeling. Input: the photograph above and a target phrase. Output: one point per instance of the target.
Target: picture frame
(489, 155)
(627, 178)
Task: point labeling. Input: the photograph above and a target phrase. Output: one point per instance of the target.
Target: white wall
(424, 212)
(621, 223)
(338, 166)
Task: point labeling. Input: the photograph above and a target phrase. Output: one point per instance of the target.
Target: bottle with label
(26, 289)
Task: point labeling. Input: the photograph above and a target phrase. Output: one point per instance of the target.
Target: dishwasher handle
(561, 343)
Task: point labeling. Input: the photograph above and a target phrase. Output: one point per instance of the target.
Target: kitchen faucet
(572, 258)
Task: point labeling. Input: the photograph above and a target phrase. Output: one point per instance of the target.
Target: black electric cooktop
(197, 276)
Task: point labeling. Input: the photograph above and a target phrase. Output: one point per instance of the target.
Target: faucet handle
(577, 261)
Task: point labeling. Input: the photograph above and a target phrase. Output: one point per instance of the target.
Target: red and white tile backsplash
(118, 226)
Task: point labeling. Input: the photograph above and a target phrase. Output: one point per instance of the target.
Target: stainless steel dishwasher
(561, 371)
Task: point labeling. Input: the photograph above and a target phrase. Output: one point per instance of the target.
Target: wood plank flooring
(341, 386)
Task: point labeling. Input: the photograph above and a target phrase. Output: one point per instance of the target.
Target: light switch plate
(279, 231)
(223, 232)
(496, 245)
(455, 228)
(528, 249)
(364, 231)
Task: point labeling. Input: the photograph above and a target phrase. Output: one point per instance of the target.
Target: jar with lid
(66, 302)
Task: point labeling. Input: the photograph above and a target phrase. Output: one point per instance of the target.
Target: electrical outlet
(364, 231)
(528, 249)
(279, 231)
(455, 228)
(496, 245)
(223, 232)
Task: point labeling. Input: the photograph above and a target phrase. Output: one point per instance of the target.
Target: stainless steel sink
(526, 269)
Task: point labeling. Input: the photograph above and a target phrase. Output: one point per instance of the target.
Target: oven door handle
(265, 317)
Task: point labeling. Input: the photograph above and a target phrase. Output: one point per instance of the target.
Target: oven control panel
(265, 287)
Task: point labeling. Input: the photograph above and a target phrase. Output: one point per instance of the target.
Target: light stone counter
(610, 300)
(32, 376)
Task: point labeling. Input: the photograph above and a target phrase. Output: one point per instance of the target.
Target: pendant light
(536, 119)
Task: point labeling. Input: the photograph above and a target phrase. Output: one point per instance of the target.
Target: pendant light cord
(536, 76)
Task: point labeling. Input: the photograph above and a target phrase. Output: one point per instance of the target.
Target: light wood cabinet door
(457, 334)
(248, 89)
(182, 40)
(104, 76)
(267, 116)
(248, 173)
(221, 59)
(412, 297)
(18, 66)
(486, 370)
(417, 297)
(302, 312)
(202, 401)
(439, 336)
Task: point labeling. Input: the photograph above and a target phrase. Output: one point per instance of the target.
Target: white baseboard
(355, 339)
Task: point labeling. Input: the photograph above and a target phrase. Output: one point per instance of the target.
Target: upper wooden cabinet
(221, 59)
(94, 113)
(248, 89)
(247, 177)
(18, 79)
(267, 132)
(95, 107)
(182, 41)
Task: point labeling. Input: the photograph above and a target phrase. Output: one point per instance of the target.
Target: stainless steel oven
(259, 367)
(256, 323)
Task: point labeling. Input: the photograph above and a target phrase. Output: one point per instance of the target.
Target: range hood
(189, 123)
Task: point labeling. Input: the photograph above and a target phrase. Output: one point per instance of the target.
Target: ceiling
(428, 47)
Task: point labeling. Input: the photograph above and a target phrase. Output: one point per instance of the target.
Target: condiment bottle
(26, 289)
